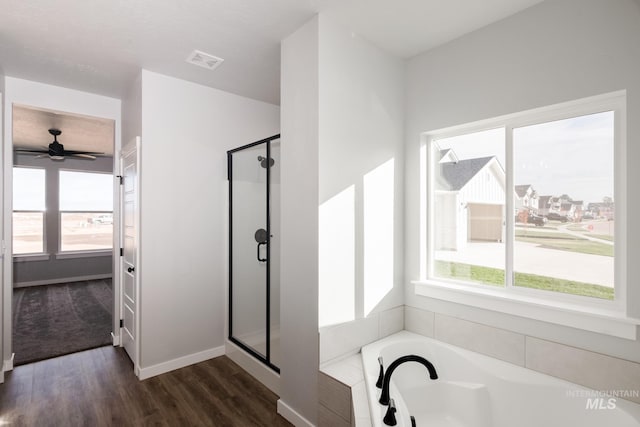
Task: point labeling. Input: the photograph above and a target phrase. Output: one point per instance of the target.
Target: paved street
(529, 258)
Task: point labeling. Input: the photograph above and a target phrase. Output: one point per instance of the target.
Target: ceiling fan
(56, 150)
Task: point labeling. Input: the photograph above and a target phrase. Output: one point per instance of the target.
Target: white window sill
(31, 257)
(84, 254)
(595, 319)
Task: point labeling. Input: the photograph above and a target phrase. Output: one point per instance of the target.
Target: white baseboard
(292, 416)
(254, 367)
(8, 364)
(62, 280)
(115, 340)
(180, 362)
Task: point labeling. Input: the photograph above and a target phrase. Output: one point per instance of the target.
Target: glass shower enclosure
(254, 249)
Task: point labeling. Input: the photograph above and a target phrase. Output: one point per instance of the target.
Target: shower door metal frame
(266, 359)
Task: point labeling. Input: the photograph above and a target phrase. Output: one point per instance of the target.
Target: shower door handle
(261, 259)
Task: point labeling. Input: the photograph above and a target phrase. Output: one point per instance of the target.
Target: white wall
(299, 220)
(361, 107)
(342, 198)
(56, 98)
(553, 52)
(2, 108)
(186, 130)
(132, 111)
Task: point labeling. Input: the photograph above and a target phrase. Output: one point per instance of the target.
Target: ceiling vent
(204, 60)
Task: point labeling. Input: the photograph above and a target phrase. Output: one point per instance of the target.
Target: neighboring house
(565, 206)
(578, 209)
(469, 200)
(555, 205)
(604, 210)
(561, 205)
(567, 209)
(526, 198)
(544, 204)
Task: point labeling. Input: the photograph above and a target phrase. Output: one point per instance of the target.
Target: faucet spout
(384, 396)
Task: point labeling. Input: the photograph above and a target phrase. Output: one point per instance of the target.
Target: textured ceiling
(31, 130)
(100, 46)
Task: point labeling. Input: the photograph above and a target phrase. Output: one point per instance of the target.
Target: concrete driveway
(532, 259)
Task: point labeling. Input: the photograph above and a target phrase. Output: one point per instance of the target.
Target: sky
(572, 156)
(81, 191)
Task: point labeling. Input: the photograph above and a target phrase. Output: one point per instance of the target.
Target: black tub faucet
(390, 417)
(384, 397)
(380, 374)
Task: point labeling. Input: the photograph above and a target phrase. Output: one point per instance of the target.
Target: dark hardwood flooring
(98, 388)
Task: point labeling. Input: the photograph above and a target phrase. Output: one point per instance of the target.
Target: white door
(130, 269)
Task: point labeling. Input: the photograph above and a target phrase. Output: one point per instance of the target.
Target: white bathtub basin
(474, 390)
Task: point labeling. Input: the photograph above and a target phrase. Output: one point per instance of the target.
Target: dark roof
(455, 175)
(521, 190)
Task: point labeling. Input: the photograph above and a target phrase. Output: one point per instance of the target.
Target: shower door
(254, 225)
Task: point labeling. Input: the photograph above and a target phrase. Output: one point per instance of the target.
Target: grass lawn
(564, 242)
(495, 276)
(602, 236)
(581, 229)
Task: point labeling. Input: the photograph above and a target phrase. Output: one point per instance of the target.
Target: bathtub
(473, 390)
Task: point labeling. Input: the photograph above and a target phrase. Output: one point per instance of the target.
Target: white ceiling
(409, 27)
(100, 46)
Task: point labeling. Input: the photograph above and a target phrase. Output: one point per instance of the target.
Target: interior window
(29, 207)
(86, 211)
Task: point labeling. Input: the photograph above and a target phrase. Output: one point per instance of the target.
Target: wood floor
(98, 388)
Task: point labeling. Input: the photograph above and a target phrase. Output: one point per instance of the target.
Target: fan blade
(72, 152)
(20, 150)
(83, 156)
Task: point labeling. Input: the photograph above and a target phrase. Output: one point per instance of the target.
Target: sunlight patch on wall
(336, 289)
(378, 234)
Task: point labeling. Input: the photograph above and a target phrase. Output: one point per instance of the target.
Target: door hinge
(121, 251)
(121, 323)
(121, 178)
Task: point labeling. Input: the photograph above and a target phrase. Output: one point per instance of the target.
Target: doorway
(254, 249)
(62, 233)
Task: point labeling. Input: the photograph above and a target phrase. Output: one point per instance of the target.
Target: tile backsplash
(587, 368)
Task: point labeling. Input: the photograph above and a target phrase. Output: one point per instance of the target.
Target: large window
(29, 208)
(86, 211)
(526, 205)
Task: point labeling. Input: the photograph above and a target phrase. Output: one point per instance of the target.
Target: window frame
(31, 255)
(543, 305)
(75, 253)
